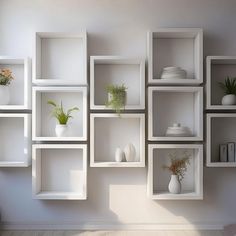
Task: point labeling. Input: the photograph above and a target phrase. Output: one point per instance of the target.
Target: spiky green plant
(229, 85)
(59, 113)
(118, 97)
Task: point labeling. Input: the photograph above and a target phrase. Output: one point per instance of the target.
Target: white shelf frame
(36, 174)
(117, 60)
(26, 62)
(196, 33)
(228, 60)
(209, 163)
(140, 163)
(27, 141)
(198, 195)
(36, 79)
(36, 90)
(198, 119)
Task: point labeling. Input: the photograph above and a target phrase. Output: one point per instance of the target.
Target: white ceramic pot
(229, 99)
(61, 130)
(174, 185)
(110, 97)
(130, 152)
(4, 95)
(119, 156)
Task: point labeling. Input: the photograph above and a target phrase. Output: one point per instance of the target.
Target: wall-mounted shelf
(179, 47)
(19, 88)
(109, 131)
(60, 59)
(158, 178)
(108, 70)
(43, 123)
(15, 139)
(168, 105)
(59, 171)
(221, 129)
(218, 68)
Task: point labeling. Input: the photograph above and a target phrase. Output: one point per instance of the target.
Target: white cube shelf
(60, 59)
(218, 68)
(158, 178)
(221, 129)
(109, 131)
(107, 70)
(59, 171)
(43, 124)
(168, 105)
(19, 88)
(181, 47)
(15, 137)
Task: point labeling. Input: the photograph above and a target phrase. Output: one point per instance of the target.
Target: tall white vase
(130, 152)
(174, 185)
(119, 156)
(4, 95)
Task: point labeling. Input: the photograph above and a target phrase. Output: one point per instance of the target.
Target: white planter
(119, 156)
(229, 99)
(130, 152)
(4, 95)
(174, 185)
(61, 130)
(110, 97)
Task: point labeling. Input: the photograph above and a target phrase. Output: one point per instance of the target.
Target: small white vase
(119, 156)
(130, 152)
(174, 185)
(61, 130)
(4, 95)
(229, 99)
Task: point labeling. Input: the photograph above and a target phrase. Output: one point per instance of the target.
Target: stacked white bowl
(178, 131)
(173, 73)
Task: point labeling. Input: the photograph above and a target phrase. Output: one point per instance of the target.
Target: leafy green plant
(5, 77)
(229, 85)
(178, 166)
(117, 97)
(59, 113)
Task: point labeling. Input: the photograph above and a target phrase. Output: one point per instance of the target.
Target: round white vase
(61, 130)
(4, 95)
(174, 185)
(130, 152)
(229, 99)
(119, 156)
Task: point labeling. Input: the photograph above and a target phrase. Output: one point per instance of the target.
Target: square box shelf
(107, 70)
(60, 59)
(59, 171)
(180, 47)
(19, 89)
(218, 68)
(221, 129)
(169, 105)
(158, 178)
(15, 139)
(43, 122)
(109, 131)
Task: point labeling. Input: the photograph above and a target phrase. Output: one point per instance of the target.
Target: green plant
(5, 77)
(178, 166)
(229, 85)
(59, 114)
(117, 98)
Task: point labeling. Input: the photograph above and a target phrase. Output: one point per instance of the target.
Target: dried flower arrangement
(5, 77)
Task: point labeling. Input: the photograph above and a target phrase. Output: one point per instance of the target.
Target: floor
(111, 233)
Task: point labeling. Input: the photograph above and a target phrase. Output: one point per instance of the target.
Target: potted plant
(62, 117)
(116, 97)
(5, 80)
(177, 167)
(229, 88)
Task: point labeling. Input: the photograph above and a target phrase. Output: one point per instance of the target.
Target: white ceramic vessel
(229, 99)
(119, 156)
(4, 95)
(178, 131)
(174, 185)
(61, 130)
(130, 152)
(173, 73)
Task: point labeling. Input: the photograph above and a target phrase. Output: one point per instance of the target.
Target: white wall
(117, 195)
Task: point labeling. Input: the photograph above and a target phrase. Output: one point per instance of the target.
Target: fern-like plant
(59, 113)
(229, 85)
(117, 98)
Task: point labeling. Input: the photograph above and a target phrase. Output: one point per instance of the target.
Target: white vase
(119, 156)
(229, 99)
(130, 152)
(4, 95)
(61, 130)
(174, 184)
